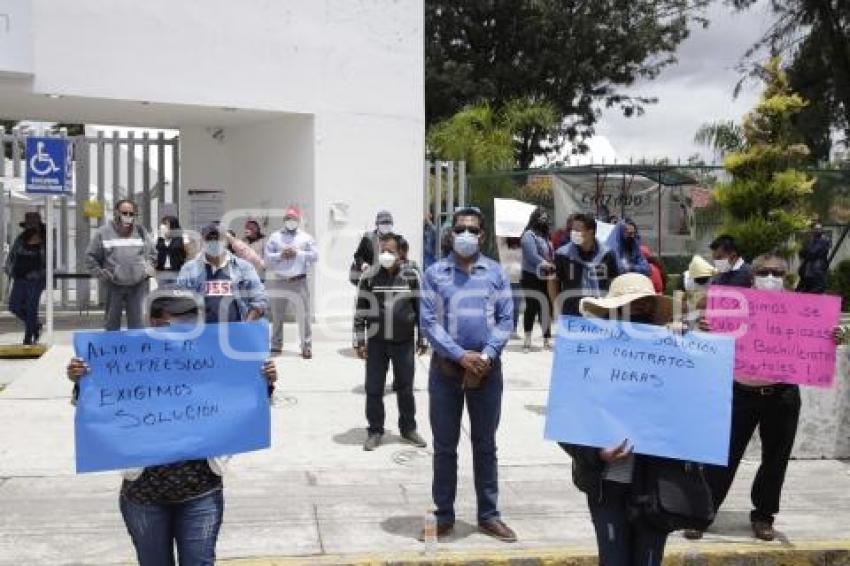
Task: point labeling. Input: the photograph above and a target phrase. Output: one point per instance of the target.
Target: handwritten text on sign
(782, 337)
(669, 395)
(159, 396)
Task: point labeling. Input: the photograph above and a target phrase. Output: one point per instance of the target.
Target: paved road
(316, 492)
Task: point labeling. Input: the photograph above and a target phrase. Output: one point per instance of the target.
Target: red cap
(293, 212)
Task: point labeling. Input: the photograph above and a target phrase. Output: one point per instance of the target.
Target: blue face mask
(465, 244)
(214, 248)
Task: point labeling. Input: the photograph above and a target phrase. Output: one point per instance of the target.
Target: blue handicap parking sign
(48, 166)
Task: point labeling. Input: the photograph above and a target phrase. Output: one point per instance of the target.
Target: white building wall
(320, 101)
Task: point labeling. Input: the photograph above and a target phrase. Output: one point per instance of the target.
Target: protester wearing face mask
(732, 270)
(467, 315)
(386, 322)
(180, 504)
(585, 267)
(243, 251)
(290, 253)
(625, 242)
(369, 246)
(171, 250)
(698, 275)
(609, 477)
(231, 289)
(537, 269)
(121, 255)
(254, 237)
(814, 264)
(773, 408)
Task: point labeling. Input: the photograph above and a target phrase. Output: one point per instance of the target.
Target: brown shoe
(763, 530)
(307, 353)
(497, 529)
(692, 534)
(443, 530)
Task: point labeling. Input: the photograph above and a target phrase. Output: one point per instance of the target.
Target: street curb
(826, 553)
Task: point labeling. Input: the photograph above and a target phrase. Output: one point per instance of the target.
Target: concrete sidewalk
(316, 495)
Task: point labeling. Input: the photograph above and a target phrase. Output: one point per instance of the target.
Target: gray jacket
(118, 259)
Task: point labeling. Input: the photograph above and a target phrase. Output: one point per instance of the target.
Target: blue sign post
(49, 163)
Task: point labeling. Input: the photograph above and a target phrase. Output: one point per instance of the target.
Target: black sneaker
(414, 438)
(763, 530)
(372, 442)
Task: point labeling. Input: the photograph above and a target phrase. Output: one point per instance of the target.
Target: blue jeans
(193, 525)
(23, 303)
(446, 412)
(622, 542)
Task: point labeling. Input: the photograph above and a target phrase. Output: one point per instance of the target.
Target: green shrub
(839, 283)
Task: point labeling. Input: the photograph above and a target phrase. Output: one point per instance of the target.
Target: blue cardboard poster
(157, 396)
(670, 395)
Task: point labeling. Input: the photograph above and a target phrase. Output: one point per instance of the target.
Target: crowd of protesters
(465, 306)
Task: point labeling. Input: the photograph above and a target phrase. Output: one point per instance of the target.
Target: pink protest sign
(782, 337)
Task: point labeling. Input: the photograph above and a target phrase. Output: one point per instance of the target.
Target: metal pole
(461, 189)
(438, 197)
(48, 205)
(450, 187)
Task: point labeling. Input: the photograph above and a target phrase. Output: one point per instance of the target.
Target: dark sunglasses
(474, 230)
(775, 272)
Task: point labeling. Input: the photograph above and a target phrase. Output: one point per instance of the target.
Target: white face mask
(769, 283)
(385, 228)
(577, 237)
(126, 219)
(465, 244)
(386, 259)
(722, 265)
(290, 225)
(214, 248)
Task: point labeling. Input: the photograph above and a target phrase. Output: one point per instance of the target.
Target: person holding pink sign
(774, 408)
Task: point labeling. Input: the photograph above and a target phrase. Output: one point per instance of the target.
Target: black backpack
(672, 495)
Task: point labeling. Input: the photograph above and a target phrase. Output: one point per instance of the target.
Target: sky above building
(697, 89)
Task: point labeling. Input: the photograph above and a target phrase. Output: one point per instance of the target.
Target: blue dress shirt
(463, 311)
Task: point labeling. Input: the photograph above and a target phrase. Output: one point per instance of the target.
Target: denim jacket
(249, 290)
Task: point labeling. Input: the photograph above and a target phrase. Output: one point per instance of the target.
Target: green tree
(814, 36)
(720, 137)
(577, 56)
(763, 204)
(490, 138)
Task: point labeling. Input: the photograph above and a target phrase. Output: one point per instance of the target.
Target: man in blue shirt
(467, 315)
(230, 286)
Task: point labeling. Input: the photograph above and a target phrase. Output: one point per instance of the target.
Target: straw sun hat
(624, 290)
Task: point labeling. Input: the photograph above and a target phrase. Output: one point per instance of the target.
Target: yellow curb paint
(822, 553)
(22, 352)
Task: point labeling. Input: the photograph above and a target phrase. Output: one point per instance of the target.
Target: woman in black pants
(537, 269)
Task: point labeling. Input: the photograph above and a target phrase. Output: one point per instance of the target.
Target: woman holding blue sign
(624, 489)
(178, 504)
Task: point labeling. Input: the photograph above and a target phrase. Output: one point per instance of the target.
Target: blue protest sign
(49, 165)
(160, 396)
(669, 395)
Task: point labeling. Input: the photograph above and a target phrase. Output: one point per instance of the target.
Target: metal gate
(107, 168)
(445, 189)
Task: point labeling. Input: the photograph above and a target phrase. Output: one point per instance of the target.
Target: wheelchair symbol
(41, 163)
